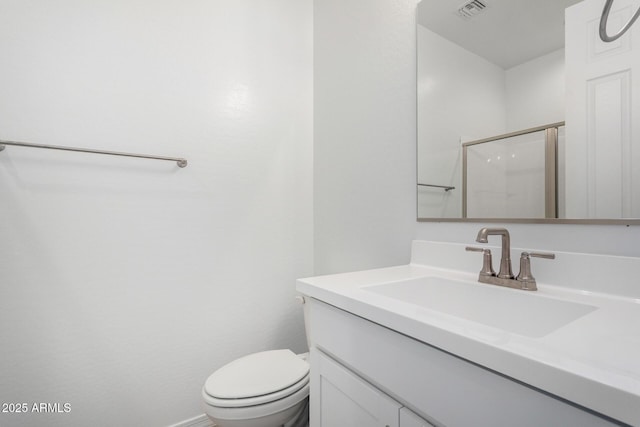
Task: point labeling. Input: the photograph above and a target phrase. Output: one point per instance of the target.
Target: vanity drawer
(440, 387)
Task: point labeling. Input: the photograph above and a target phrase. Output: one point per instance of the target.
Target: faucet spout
(505, 258)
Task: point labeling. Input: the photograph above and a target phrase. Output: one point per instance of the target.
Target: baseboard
(199, 421)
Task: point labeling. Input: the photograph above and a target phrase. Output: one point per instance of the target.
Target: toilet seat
(256, 400)
(258, 415)
(257, 379)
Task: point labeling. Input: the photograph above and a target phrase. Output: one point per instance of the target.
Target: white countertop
(593, 361)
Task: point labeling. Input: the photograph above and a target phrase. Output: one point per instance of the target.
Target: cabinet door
(409, 419)
(341, 398)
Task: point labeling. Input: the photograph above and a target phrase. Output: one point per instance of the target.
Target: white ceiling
(507, 32)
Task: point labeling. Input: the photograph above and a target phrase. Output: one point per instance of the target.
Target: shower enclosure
(515, 175)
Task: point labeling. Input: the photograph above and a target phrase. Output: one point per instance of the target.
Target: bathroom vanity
(426, 344)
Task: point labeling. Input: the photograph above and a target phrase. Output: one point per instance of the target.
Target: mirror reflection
(525, 114)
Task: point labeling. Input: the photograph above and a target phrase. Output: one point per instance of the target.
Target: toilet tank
(305, 311)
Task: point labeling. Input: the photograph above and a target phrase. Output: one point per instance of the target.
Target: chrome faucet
(505, 258)
(525, 279)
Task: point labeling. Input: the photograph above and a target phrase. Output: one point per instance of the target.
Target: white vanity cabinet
(364, 374)
(341, 398)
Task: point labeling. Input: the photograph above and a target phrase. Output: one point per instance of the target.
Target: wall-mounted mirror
(524, 114)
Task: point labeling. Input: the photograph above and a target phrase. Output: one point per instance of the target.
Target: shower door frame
(550, 165)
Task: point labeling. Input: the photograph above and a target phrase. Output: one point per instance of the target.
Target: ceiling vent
(471, 9)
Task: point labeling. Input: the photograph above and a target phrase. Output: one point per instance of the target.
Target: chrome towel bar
(180, 161)
(444, 187)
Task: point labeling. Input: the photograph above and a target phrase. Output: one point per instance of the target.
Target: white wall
(535, 92)
(364, 133)
(126, 282)
(461, 96)
(343, 58)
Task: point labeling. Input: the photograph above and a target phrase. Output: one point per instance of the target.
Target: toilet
(265, 389)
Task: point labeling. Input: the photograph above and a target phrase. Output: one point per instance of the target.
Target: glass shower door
(511, 176)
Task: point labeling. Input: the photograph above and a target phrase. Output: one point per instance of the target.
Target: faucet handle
(546, 255)
(525, 276)
(487, 267)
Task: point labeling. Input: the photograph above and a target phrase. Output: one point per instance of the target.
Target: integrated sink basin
(516, 311)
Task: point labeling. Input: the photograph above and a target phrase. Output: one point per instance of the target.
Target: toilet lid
(256, 375)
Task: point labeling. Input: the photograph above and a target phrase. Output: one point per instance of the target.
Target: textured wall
(461, 97)
(535, 92)
(124, 283)
(364, 133)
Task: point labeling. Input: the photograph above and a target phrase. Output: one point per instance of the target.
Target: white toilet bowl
(266, 389)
